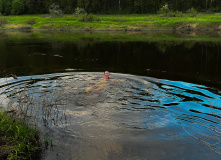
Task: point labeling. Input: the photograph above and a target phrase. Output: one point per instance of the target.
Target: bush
(192, 12)
(3, 21)
(179, 14)
(175, 14)
(171, 14)
(164, 10)
(88, 18)
(31, 21)
(58, 13)
(79, 11)
(55, 10)
(216, 9)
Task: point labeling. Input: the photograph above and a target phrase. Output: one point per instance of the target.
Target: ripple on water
(110, 119)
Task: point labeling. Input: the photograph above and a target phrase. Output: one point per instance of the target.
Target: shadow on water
(193, 58)
(129, 117)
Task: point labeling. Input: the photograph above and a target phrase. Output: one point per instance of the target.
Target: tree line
(17, 7)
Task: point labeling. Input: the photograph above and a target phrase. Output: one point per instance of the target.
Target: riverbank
(133, 22)
(17, 139)
(94, 37)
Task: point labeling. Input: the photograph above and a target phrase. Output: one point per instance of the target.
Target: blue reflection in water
(136, 104)
(171, 96)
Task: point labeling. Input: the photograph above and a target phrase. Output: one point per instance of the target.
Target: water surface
(161, 55)
(133, 115)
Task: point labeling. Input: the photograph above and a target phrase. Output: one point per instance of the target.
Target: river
(162, 101)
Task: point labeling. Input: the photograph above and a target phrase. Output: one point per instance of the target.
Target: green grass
(17, 139)
(121, 36)
(117, 22)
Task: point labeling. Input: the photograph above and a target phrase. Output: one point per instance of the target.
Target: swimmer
(102, 82)
(106, 75)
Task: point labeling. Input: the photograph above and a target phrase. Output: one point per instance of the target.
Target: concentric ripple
(127, 114)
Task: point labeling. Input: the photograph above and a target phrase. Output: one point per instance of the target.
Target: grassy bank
(17, 139)
(84, 38)
(132, 22)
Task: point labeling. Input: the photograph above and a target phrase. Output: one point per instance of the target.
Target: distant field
(134, 22)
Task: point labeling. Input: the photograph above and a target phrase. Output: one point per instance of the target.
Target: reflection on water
(161, 55)
(132, 117)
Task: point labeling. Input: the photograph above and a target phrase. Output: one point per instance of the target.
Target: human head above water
(106, 75)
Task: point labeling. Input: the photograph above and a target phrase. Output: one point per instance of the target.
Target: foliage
(55, 10)
(179, 14)
(174, 14)
(88, 18)
(5, 7)
(18, 7)
(108, 7)
(3, 20)
(192, 12)
(21, 140)
(79, 11)
(164, 10)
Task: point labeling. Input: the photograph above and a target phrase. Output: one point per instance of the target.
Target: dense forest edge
(17, 7)
(123, 15)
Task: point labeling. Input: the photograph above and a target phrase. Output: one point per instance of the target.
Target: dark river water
(162, 101)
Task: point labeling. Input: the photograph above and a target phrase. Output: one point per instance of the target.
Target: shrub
(216, 9)
(164, 10)
(79, 11)
(171, 14)
(88, 18)
(55, 10)
(175, 14)
(179, 14)
(192, 12)
(31, 21)
(3, 21)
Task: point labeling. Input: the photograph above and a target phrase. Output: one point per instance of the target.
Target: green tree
(5, 7)
(141, 6)
(81, 4)
(105, 6)
(18, 7)
(1, 8)
(165, 10)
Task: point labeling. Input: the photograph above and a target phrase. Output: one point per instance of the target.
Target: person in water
(102, 82)
(106, 75)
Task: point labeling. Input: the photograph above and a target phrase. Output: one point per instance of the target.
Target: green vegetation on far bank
(84, 38)
(17, 139)
(134, 22)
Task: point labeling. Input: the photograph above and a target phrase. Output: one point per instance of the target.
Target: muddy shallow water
(128, 117)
